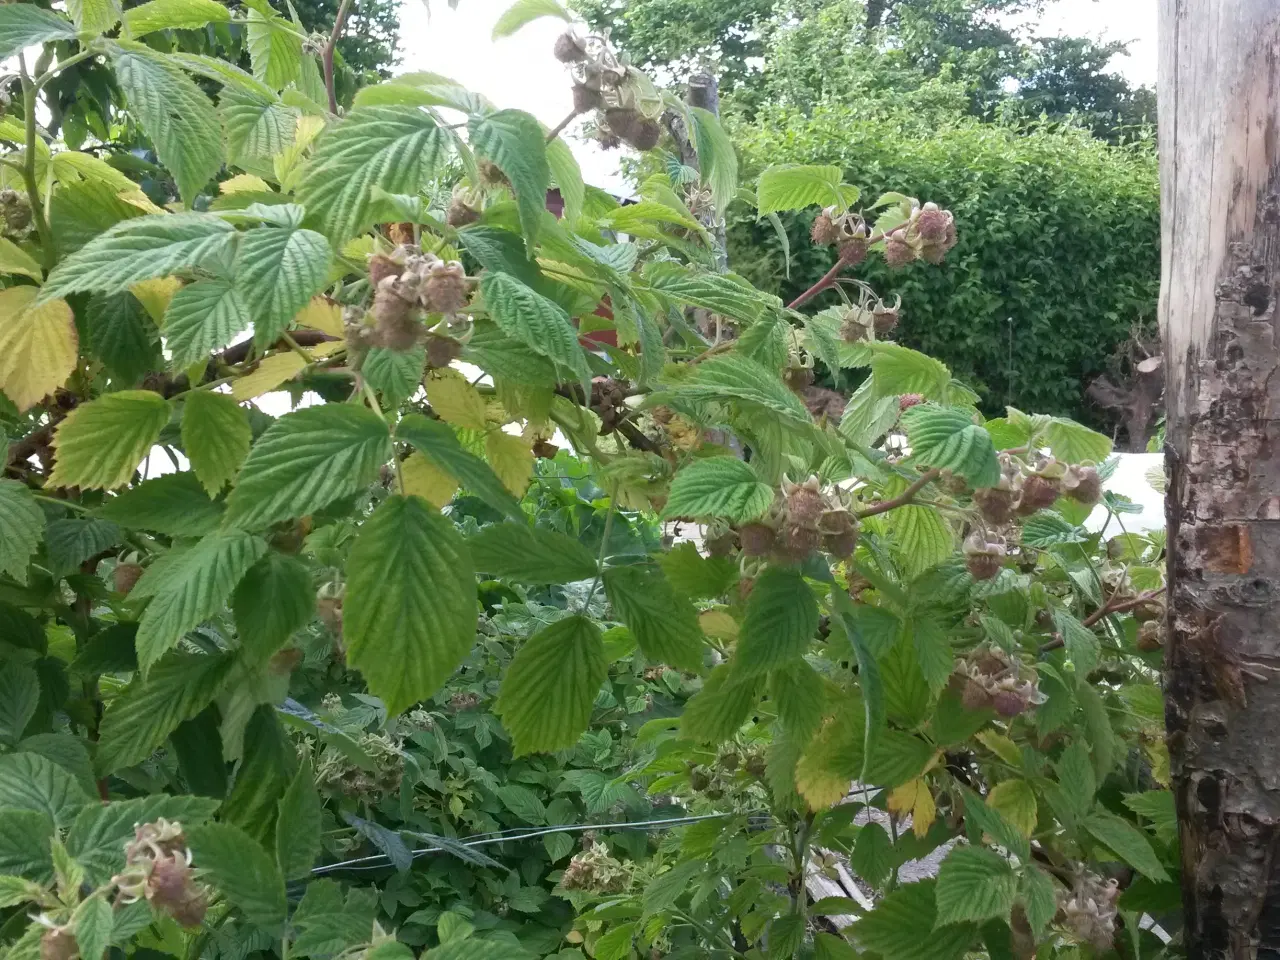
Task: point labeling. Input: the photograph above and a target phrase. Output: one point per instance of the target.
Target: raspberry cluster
(625, 107)
(989, 679)
(1088, 910)
(407, 283)
(801, 520)
(158, 869)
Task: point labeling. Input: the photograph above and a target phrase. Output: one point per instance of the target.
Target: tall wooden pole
(1219, 94)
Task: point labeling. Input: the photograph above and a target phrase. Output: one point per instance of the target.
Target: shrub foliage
(419, 664)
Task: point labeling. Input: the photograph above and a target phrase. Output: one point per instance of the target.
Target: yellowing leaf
(1016, 802)
(914, 798)
(37, 346)
(1158, 757)
(718, 624)
(154, 295)
(829, 763)
(244, 183)
(327, 349)
(100, 444)
(271, 372)
(13, 259)
(456, 401)
(1002, 747)
(511, 459)
(321, 314)
(136, 198)
(424, 479)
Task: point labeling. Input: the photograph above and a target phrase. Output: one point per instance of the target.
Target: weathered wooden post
(1219, 94)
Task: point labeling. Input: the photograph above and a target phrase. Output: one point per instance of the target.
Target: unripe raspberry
(756, 765)
(722, 545)
(586, 99)
(932, 224)
(1009, 703)
(645, 134)
(545, 450)
(824, 231)
(797, 378)
(933, 253)
(984, 564)
(329, 610)
(445, 290)
(852, 329)
(460, 214)
(622, 121)
(897, 252)
(491, 174)
(853, 250)
(59, 944)
(126, 576)
(1151, 636)
(886, 317)
(381, 266)
(171, 888)
(975, 696)
(1083, 485)
(699, 778)
(995, 504)
(1151, 610)
(15, 212)
(804, 504)
(841, 545)
(395, 317)
(909, 400)
(441, 351)
(798, 541)
(757, 539)
(1038, 493)
(569, 48)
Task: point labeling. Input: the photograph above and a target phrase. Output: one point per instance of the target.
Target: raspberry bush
(429, 662)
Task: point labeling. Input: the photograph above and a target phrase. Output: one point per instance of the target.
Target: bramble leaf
(718, 487)
(410, 611)
(242, 872)
(395, 148)
(188, 587)
(38, 344)
(178, 118)
(100, 444)
(21, 528)
(141, 716)
(514, 141)
(216, 437)
(305, 461)
(664, 623)
(781, 620)
(530, 554)
(141, 249)
(552, 682)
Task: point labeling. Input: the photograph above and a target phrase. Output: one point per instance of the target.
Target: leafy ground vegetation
(419, 665)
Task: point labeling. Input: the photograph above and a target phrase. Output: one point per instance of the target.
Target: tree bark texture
(1219, 119)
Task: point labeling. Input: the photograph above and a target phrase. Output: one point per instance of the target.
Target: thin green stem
(62, 65)
(372, 397)
(29, 165)
(604, 545)
(297, 348)
(70, 504)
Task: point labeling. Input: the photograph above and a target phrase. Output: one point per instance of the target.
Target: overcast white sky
(520, 72)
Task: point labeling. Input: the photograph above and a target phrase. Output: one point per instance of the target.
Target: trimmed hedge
(1058, 256)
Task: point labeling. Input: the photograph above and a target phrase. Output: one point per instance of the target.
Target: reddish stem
(902, 499)
(829, 279)
(326, 55)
